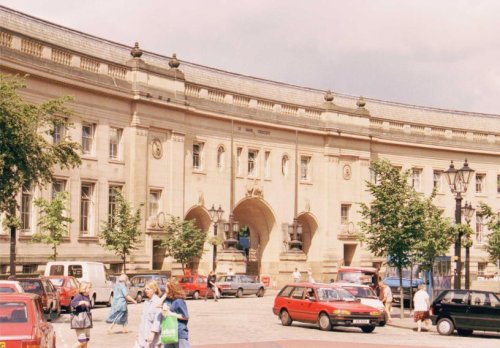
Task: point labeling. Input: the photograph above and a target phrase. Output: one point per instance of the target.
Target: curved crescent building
(287, 165)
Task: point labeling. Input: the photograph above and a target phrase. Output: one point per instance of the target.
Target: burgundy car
(325, 305)
(43, 287)
(22, 322)
(68, 288)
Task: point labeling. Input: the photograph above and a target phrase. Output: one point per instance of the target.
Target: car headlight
(375, 313)
(341, 312)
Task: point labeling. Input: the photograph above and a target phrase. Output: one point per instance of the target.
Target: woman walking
(119, 311)
(421, 301)
(150, 325)
(175, 305)
(81, 303)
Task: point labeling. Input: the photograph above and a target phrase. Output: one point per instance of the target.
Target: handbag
(169, 330)
(82, 320)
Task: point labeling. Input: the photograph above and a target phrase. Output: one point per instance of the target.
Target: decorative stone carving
(174, 63)
(328, 96)
(346, 172)
(156, 148)
(255, 190)
(136, 52)
(361, 102)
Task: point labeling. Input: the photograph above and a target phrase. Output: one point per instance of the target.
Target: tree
(27, 156)
(54, 221)
(183, 240)
(493, 224)
(121, 232)
(393, 221)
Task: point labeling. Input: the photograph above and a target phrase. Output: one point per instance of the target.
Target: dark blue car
(393, 283)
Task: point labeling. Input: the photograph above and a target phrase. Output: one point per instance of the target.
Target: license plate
(361, 321)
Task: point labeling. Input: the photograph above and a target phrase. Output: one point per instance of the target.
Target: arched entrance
(257, 215)
(202, 220)
(309, 227)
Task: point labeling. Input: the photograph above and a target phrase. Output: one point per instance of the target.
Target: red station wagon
(326, 305)
(194, 285)
(22, 322)
(68, 288)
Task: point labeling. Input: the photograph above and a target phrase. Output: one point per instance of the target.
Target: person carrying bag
(81, 317)
(169, 330)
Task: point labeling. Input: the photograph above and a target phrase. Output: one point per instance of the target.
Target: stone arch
(202, 220)
(258, 215)
(309, 228)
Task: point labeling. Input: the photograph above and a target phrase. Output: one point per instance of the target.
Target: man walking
(211, 278)
(296, 276)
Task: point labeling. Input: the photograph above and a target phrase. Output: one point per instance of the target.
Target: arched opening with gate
(257, 215)
(202, 220)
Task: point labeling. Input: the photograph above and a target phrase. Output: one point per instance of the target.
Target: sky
(443, 54)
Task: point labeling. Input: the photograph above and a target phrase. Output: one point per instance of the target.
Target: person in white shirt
(230, 272)
(421, 301)
(386, 298)
(296, 276)
(310, 278)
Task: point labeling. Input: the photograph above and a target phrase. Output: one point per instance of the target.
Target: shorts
(421, 315)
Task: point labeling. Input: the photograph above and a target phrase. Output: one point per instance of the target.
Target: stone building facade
(181, 137)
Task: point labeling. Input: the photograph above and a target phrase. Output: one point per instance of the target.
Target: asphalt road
(249, 323)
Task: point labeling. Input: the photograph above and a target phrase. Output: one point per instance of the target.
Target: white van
(93, 272)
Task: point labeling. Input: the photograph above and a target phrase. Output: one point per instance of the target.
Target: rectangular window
(344, 213)
(26, 208)
(86, 208)
(87, 138)
(239, 151)
(267, 164)
(58, 186)
(252, 162)
(197, 156)
(479, 228)
(498, 183)
(481, 268)
(112, 199)
(416, 179)
(437, 180)
(59, 133)
(115, 138)
(154, 202)
(480, 183)
(305, 172)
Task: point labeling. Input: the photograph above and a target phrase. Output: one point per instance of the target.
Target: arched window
(284, 165)
(220, 157)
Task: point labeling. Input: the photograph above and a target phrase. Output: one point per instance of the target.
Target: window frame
(88, 139)
(26, 210)
(480, 184)
(197, 155)
(87, 219)
(115, 147)
(252, 163)
(154, 202)
(305, 168)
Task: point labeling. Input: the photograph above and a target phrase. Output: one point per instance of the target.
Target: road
(232, 322)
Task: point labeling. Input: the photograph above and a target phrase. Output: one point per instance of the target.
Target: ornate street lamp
(231, 228)
(215, 216)
(468, 211)
(295, 232)
(458, 180)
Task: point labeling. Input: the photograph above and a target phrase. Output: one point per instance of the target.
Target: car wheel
(196, 295)
(464, 332)
(324, 322)
(110, 301)
(367, 329)
(138, 297)
(260, 293)
(239, 292)
(445, 326)
(285, 318)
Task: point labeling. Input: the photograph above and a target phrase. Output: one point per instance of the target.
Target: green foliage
(27, 154)
(121, 232)
(54, 221)
(493, 224)
(183, 240)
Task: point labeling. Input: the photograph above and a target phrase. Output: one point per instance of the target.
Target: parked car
(93, 272)
(194, 285)
(139, 281)
(10, 286)
(68, 288)
(466, 311)
(50, 296)
(239, 285)
(359, 275)
(366, 295)
(23, 323)
(325, 305)
(393, 283)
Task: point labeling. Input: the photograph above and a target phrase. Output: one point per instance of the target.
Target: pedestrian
(296, 276)
(230, 272)
(81, 303)
(421, 301)
(148, 334)
(119, 311)
(211, 279)
(386, 298)
(310, 278)
(175, 305)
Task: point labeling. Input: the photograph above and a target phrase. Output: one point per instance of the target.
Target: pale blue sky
(433, 53)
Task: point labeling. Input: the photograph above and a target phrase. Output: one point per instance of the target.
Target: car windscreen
(33, 286)
(357, 277)
(359, 291)
(57, 282)
(13, 312)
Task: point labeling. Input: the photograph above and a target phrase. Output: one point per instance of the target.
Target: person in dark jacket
(175, 305)
(211, 278)
(81, 303)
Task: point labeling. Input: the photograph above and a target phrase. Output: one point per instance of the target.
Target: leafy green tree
(493, 224)
(54, 221)
(121, 232)
(394, 220)
(183, 240)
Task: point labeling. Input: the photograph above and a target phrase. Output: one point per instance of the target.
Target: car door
(456, 305)
(310, 305)
(296, 304)
(484, 311)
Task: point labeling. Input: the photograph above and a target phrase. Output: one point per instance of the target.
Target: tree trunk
(401, 293)
(124, 264)
(54, 256)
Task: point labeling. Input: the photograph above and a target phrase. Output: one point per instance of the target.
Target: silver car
(239, 285)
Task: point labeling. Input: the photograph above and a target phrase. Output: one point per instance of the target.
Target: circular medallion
(346, 172)
(156, 148)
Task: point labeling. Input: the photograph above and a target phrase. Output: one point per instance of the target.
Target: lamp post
(231, 228)
(295, 232)
(467, 211)
(215, 216)
(458, 180)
